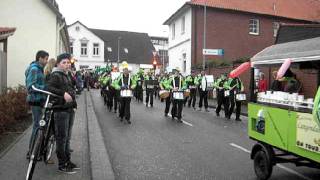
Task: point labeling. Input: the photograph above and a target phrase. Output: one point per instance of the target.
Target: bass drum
(164, 94)
(187, 93)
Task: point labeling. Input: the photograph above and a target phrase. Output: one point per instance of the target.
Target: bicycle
(44, 141)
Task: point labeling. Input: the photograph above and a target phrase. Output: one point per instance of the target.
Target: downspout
(60, 27)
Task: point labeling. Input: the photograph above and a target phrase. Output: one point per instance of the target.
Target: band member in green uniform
(236, 86)
(106, 83)
(220, 85)
(139, 89)
(177, 84)
(190, 82)
(165, 85)
(149, 81)
(125, 82)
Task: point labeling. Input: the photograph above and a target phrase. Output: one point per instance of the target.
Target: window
(173, 31)
(276, 26)
(109, 49)
(184, 59)
(95, 49)
(183, 25)
(254, 26)
(71, 47)
(126, 50)
(77, 28)
(84, 49)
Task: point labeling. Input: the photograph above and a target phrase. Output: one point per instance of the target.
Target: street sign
(217, 52)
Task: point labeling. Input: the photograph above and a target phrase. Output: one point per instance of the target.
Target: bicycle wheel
(34, 154)
(49, 148)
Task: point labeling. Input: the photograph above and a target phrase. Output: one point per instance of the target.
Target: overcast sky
(126, 15)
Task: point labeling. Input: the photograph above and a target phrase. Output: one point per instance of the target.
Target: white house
(86, 47)
(180, 40)
(39, 26)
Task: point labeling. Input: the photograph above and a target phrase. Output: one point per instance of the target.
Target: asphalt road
(203, 147)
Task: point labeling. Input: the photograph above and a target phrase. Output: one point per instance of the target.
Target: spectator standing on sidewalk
(203, 91)
(35, 77)
(48, 68)
(60, 84)
(72, 79)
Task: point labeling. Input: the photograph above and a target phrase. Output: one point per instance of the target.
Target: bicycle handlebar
(44, 92)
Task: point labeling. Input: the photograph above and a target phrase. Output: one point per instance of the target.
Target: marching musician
(165, 85)
(139, 89)
(221, 86)
(150, 87)
(203, 90)
(177, 85)
(190, 82)
(108, 96)
(236, 86)
(125, 82)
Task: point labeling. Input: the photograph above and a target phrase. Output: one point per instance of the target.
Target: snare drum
(178, 95)
(126, 93)
(187, 93)
(241, 97)
(164, 94)
(226, 93)
(214, 93)
(150, 86)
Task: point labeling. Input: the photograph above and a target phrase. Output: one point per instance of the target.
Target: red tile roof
(5, 30)
(308, 10)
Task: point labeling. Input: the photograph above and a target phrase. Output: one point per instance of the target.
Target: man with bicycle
(60, 84)
(35, 77)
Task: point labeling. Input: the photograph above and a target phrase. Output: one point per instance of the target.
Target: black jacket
(59, 83)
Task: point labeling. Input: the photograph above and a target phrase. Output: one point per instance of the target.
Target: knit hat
(62, 57)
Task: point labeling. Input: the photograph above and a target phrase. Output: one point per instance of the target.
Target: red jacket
(262, 86)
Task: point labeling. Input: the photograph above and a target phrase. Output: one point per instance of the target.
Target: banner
(308, 132)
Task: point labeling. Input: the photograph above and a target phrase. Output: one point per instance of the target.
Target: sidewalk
(13, 164)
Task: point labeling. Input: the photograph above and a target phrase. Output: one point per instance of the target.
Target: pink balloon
(239, 70)
(284, 67)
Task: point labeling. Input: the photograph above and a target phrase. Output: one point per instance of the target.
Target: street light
(204, 34)
(119, 38)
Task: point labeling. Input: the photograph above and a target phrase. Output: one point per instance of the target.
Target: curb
(100, 163)
(6, 150)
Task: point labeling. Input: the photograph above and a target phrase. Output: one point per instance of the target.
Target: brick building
(241, 28)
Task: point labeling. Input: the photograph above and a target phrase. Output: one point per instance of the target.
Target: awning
(297, 51)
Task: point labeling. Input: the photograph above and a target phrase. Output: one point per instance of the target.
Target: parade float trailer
(286, 126)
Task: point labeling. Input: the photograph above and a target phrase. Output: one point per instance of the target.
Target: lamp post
(119, 38)
(204, 34)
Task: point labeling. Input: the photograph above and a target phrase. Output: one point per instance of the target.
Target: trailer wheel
(262, 165)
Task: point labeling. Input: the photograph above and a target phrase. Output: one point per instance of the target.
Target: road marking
(239, 147)
(184, 122)
(278, 165)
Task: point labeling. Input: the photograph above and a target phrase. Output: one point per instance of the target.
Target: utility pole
(204, 35)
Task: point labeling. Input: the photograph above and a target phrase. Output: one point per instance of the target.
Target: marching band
(172, 88)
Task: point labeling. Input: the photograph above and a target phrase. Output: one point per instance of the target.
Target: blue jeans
(36, 117)
(61, 122)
